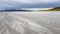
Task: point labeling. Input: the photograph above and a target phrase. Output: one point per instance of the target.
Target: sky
(17, 4)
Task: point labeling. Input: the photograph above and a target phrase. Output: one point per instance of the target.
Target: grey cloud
(8, 4)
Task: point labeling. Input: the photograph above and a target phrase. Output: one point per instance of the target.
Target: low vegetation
(53, 9)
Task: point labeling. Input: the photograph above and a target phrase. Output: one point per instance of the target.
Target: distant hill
(13, 10)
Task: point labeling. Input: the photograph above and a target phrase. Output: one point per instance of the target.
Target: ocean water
(29, 22)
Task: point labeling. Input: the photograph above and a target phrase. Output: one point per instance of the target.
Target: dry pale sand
(29, 22)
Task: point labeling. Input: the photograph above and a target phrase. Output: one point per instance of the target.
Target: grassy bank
(53, 9)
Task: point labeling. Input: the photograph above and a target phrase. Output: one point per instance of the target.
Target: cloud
(36, 1)
(29, 1)
(26, 3)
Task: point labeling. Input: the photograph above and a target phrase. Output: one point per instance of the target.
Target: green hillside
(55, 9)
